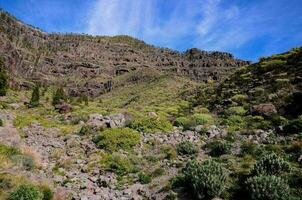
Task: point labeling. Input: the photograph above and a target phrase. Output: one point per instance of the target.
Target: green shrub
(117, 138)
(268, 188)
(83, 98)
(234, 123)
(206, 180)
(35, 97)
(25, 192)
(119, 164)
(181, 121)
(86, 130)
(278, 120)
(58, 96)
(149, 124)
(47, 192)
(257, 122)
(8, 151)
(240, 98)
(158, 172)
(218, 148)
(144, 178)
(3, 78)
(169, 152)
(236, 110)
(248, 148)
(270, 164)
(294, 126)
(186, 148)
(202, 119)
(1, 123)
(190, 124)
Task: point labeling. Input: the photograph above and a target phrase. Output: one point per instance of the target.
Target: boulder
(63, 108)
(265, 110)
(214, 132)
(111, 121)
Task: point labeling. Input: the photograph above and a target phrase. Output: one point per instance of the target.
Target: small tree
(3, 78)
(58, 96)
(35, 97)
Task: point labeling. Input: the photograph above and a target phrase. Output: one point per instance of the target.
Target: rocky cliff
(94, 65)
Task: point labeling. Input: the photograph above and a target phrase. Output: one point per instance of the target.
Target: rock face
(93, 64)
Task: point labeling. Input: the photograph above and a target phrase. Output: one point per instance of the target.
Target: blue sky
(247, 28)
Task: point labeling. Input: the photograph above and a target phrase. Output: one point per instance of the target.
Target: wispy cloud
(209, 24)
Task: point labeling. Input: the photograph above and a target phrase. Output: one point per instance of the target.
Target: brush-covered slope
(83, 61)
(276, 79)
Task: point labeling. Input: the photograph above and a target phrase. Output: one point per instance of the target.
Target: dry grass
(28, 151)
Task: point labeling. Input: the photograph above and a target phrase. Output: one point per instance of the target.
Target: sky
(247, 28)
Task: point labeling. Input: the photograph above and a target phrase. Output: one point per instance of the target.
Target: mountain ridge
(36, 56)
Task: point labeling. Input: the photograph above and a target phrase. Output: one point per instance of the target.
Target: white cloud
(207, 24)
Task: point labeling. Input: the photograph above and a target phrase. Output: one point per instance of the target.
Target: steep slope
(83, 61)
(276, 80)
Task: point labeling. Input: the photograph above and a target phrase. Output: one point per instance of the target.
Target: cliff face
(94, 64)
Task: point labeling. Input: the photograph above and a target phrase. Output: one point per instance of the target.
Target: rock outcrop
(92, 65)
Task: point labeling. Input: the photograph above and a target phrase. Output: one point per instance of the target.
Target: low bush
(8, 151)
(181, 121)
(169, 152)
(150, 125)
(257, 122)
(1, 123)
(25, 192)
(47, 192)
(267, 187)
(86, 130)
(206, 180)
(236, 110)
(117, 138)
(218, 148)
(294, 126)
(239, 98)
(202, 119)
(158, 172)
(144, 178)
(234, 123)
(248, 148)
(118, 163)
(270, 164)
(186, 148)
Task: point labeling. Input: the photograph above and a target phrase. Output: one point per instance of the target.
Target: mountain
(83, 61)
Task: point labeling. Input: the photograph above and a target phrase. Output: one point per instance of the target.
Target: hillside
(81, 61)
(111, 118)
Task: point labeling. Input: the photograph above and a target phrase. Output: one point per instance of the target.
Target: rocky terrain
(105, 118)
(97, 63)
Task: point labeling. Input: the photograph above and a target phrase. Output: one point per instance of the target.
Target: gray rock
(214, 132)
